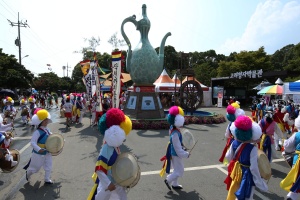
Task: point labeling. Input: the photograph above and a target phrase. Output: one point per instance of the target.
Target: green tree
(49, 81)
(13, 75)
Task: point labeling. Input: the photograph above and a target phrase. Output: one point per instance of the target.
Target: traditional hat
(114, 125)
(23, 101)
(8, 100)
(244, 129)
(176, 116)
(40, 116)
(233, 111)
(31, 99)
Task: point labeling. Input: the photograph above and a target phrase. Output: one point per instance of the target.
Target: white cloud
(272, 25)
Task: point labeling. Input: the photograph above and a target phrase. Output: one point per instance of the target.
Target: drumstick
(194, 146)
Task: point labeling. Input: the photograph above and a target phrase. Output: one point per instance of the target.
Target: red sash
(228, 179)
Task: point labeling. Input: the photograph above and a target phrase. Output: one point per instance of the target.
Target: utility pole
(67, 70)
(18, 40)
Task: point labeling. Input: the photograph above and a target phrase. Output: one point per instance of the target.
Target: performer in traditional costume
(289, 118)
(278, 118)
(73, 102)
(269, 128)
(32, 106)
(68, 111)
(5, 129)
(233, 111)
(242, 155)
(9, 110)
(24, 111)
(261, 109)
(291, 183)
(175, 150)
(114, 125)
(94, 105)
(7, 155)
(79, 109)
(253, 110)
(40, 156)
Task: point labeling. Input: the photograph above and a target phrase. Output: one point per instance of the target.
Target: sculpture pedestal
(144, 103)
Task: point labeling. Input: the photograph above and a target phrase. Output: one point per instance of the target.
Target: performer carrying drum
(175, 152)
(9, 110)
(24, 111)
(40, 156)
(243, 157)
(291, 183)
(114, 125)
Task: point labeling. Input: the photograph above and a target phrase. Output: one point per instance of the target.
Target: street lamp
(24, 57)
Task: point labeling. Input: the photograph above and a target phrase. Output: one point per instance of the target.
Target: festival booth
(164, 83)
(291, 90)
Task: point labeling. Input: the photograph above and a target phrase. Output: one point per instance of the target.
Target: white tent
(164, 83)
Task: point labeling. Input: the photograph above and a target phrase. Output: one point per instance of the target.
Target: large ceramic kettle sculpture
(143, 63)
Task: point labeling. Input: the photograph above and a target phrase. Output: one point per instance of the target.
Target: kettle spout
(161, 50)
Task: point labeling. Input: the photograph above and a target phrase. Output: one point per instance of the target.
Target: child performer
(242, 155)
(291, 183)
(24, 111)
(115, 126)
(233, 111)
(40, 156)
(175, 152)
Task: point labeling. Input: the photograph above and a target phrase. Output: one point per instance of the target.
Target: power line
(18, 40)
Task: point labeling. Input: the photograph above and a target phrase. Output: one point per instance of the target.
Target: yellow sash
(291, 178)
(236, 176)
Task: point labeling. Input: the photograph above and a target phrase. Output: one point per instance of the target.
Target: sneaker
(177, 187)
(48, 182)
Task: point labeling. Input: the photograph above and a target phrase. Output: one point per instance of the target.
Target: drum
(188, 140)
(263, 165)
(24, 112)
(126, 171)
(6, 165)
(54, 144)
(7, 113)
(62, 113)
(288, 157)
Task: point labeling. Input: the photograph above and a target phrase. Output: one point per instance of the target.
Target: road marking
(22, 138)
(24, 148)
(219, 166)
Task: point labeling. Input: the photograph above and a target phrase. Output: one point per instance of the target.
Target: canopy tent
(176, 80)
(291, 88)
(164, 83)
(190, 78)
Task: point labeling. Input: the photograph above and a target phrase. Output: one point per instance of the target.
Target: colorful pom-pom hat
(40, 116)
(176, 116)
(233, 111)
(23, 101)
(31, 99)
(114, 125)
(244, 129)
(8, 100)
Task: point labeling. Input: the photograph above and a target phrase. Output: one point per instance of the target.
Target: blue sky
(58, 28)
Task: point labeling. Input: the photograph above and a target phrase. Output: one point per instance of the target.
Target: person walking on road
(115, 127)
(175, 151)
(40, 156)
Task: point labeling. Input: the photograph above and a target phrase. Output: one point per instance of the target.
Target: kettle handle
(129, 53)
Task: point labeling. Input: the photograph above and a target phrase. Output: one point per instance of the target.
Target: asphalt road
(72, 169)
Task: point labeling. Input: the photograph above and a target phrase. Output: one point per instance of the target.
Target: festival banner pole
(116, 78)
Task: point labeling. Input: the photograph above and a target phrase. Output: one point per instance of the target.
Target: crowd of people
(270, 128)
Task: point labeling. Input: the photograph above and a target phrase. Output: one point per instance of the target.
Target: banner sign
(247, 74)
(116, 78)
